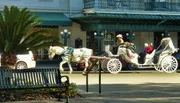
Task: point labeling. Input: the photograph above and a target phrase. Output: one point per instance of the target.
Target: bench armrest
(66, 81)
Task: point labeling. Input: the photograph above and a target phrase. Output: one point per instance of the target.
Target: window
(162, 5)
(111, 2)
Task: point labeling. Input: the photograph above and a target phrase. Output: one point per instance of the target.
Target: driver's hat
(119, 36)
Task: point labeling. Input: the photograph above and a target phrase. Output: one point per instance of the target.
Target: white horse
(69, 54)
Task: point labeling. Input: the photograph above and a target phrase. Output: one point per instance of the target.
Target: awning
(129, 27)
(133, 16)
(54, 19)
(127, 22)
(140, 16)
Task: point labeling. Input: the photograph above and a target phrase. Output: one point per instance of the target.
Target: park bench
(34, 79)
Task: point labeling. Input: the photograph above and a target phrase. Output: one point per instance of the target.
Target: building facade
(95, 23)
(147, 19)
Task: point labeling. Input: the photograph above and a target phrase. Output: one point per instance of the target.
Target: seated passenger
(130, 49)
(130, 53)
(148, 48)
(130, 46)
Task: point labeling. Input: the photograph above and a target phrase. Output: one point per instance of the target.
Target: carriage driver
(130, 46)
(119, 39)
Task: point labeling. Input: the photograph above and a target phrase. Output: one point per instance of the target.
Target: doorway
(157, 38)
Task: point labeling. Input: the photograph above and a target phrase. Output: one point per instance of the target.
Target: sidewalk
(124, 93)
(125, 88)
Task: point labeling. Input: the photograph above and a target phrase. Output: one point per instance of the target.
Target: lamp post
(98, 35)
(65, 35)
(130, 36)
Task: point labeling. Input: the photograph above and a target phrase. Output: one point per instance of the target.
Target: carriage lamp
(127, 34)
(65, 35)
(95, 33)
(165, 35)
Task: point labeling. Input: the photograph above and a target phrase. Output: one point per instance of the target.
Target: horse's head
(51, 52)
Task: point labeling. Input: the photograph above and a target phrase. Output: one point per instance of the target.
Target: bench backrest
(25, 78)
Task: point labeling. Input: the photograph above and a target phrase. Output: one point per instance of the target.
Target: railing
(140, 5)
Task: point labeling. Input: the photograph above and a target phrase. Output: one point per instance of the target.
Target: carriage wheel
(104, 64)
(131, 67)
(158, 68)
(114, 66)
(169, 64)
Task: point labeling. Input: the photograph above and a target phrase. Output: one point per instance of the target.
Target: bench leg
(67, 95)
(59, 98)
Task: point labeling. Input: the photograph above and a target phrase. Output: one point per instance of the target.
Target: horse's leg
(61, 64)
(86, 65)
(70, 67)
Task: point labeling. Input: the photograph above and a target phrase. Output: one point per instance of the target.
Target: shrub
(72, 90)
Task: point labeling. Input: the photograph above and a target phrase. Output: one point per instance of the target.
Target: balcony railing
(138, 5)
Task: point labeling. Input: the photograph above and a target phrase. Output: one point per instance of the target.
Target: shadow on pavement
(133, 93)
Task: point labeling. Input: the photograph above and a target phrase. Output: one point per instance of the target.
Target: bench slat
(33, 78)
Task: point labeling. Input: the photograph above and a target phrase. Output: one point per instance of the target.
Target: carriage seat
(150, 55)
(145, 56)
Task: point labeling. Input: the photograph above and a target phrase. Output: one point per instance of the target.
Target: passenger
(131, 46)
(130, 53)
(148, 48)
(143, 54)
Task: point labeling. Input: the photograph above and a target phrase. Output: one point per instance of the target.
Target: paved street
(142, 86)
(126, 77)
(131, 86)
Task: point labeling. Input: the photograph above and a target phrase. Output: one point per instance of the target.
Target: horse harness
(68, 51)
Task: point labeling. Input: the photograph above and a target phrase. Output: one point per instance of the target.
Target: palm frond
(16, 31)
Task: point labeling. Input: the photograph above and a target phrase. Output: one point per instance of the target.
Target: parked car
(25, 60)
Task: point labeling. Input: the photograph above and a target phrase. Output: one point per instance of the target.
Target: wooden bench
(34, 79)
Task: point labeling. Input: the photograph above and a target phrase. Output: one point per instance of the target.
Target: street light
(98, 36)
(130, 36)
(65, 35)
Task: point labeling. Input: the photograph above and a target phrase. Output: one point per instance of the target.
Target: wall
(65, 6)
(32, 3)
(77, 5)
(174, 36)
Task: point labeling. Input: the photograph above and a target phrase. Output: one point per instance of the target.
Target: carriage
(160, 59)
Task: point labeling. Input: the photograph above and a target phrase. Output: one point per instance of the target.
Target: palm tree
(16, 34)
